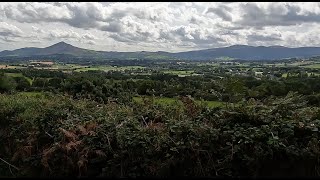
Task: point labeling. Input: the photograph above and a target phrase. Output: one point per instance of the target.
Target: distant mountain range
(240, 52)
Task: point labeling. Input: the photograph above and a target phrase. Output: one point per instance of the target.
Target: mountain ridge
(242, 52)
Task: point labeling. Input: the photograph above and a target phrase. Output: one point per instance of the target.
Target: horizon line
(167, 51)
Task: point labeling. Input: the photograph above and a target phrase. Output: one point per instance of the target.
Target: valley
(115, 109)
(159, 89)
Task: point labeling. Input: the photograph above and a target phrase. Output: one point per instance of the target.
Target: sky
(158, 26)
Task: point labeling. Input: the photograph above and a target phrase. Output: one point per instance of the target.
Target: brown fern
(70, 135)
(46, 154)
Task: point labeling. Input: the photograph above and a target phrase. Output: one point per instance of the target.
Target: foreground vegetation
(174, 101)
(125, 124)
(58, 136)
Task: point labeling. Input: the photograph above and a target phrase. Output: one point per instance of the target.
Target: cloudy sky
(158, 26)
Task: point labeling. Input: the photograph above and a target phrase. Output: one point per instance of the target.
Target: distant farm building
(40, 64)
(259, 74)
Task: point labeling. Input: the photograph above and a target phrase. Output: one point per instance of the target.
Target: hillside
(241, 52)
(244, 52)
(59, 48)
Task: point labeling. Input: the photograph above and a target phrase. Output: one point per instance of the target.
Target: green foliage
(54, 135)
(22, 83)
(7, 83)
(125, 125)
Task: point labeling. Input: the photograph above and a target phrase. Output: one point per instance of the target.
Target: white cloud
(37, 30)
(165, 26)
(9, 32)
(36, 12)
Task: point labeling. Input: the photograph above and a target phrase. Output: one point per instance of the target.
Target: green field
(158, 100)
(179, 73)
(143, 73)
(212, 104)
(87, 69)
(78, 68)
(276, 65)
(313, 66)
(300, 63)
(31, 94)
(10, 67)
(19, 75)
(67, 66)
(14, 74)
(170, 101)
(109, 68)
(208, 64)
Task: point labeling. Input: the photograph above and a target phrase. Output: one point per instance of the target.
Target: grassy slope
(170, 101)
(109, 68)
(19, 75)
(313, 66)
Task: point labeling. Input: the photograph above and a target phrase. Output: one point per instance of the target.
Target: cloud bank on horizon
(158, 26)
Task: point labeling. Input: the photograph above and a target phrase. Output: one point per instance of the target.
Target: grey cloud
(9, 30)
(8, 39)
(130, 37)
(221, 11)
(37, 30)
(8, 33)
(166, 35)
(112, 27)
(197, 37)
(274, 15)
(85, 15)
(91, 42)
(82, 15)
(196, 20)
(89, 36)
(35, 12)
(129, 30)
(130, 11)
(71, 35)
(120, 38)
(263, 38)
(229, 32)
(66, 35)
(11, 33)
(78, 15)
(146, 14)
(35, 41)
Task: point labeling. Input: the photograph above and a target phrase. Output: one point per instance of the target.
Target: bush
(57, 136)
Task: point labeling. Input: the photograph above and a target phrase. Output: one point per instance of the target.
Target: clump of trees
(7, 84)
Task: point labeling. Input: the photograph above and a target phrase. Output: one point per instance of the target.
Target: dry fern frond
(46, 155)
(91, 126)
(92, 133)
(16, 155)
(82, 130)
(68, 134)
(23, 152)
(72, 145)
(155, 126)
(82, 164)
